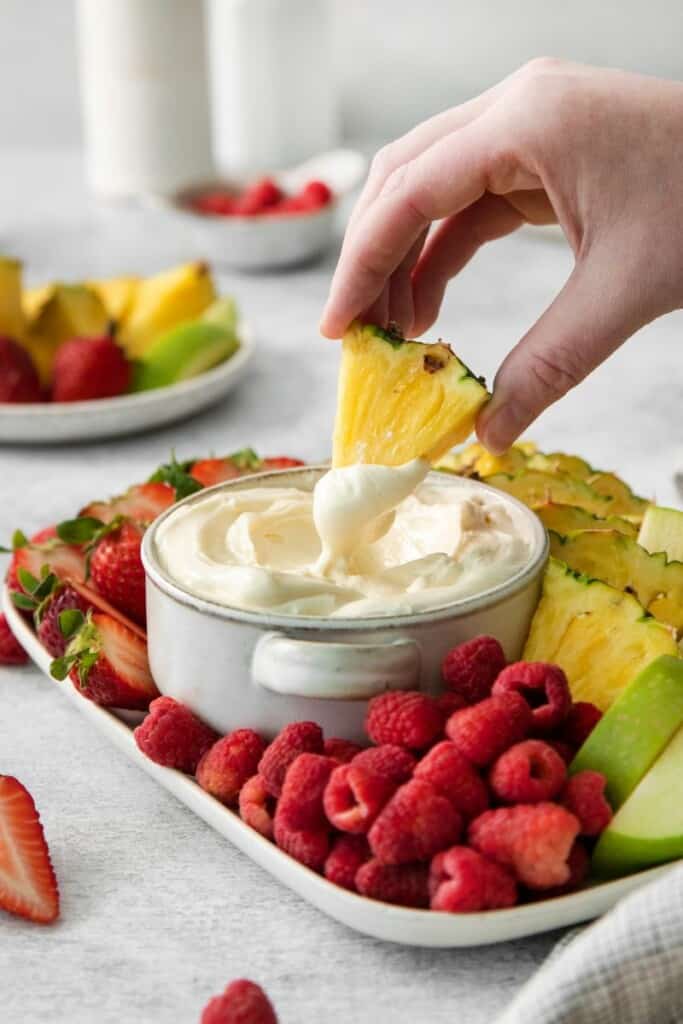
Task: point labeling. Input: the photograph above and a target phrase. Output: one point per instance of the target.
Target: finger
(401, 307)
(452, 246)
(593, 314)
(446, 178)
(378, 312)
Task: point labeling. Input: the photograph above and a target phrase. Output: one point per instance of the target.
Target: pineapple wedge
(559, 462)
(475, 460)
(624, 501)
(564, 519)
(117, 294)
(162, 302)
(535, 487)
(12, 321)
(600, 636)
(400, 400)
(620, 561)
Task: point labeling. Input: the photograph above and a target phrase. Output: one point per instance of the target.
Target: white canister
(144, 95)
(272, 91)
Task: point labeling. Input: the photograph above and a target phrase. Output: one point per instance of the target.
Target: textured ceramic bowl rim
(465, 606)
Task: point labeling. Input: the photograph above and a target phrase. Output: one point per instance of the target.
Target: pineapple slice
(475, 460)
(600, 636)
(662, 530)
(535, 487)
(117, 294)
(12, 321)
(559, 462)
(400, 400)
(164, 301)
(620, 561)
(564, 519)
(624, 501)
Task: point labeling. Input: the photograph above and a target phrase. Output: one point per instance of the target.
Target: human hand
(599, 151)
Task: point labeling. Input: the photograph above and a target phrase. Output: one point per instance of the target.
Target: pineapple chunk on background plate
(400, 400)
(602, 637)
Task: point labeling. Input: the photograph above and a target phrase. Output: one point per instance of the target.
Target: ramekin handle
(334, 671)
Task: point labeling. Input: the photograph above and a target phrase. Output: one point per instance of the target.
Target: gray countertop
(158, 912)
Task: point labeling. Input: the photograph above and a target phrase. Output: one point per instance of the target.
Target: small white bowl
(268, 241)
(260, 670)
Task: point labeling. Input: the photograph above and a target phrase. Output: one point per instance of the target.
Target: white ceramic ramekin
(238, 668)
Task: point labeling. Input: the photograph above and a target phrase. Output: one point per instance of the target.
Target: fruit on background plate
(12, 321)
(190, 348)
(18, 376)
(162, 301)
(634, 731)
(89, 368)
(67, 311)
(400, 400)
(648, 828)
(620, 561)
(567, 519)
(117, 294)
(662, 530)
(560, 462)
(599, 635)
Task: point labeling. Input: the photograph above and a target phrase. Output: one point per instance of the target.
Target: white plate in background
(379, 920)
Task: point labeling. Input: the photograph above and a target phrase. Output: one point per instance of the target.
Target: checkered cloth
(627, 968)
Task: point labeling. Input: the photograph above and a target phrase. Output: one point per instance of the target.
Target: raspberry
(452, 775)
(243, 1002)
(314, 195)
(296, 738)
(258, 197)
(358, 791)
(405, 717)
(484, 730)
(344, 859)
(257, 806)
(449, 702)
(415, 824)
(565, 750)
(470, 669)
(403, 884)
(545, 689)
(309, 846)
(579, 723)
(528, 773)
(172, 736)
(341, 750)
(229, 763)
(584, 796)
(532, 839)
(462, 881)
(579, 865)
(301, 802)
(11, 651)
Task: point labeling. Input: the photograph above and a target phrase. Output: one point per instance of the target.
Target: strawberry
(28, 886)
(280, 462)
(108, 664)
(86, 368)
(51, 628)
(11, 651)
(142, 502)
(18, 376)
(208, 472)
(45, 549)
(117, 572)
(215, 471)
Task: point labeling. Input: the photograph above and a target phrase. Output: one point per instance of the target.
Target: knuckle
(553, 376)
(383, 162)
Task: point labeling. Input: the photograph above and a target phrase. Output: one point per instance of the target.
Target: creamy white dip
(368, 541)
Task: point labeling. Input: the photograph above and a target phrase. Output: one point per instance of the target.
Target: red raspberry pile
(463, 803)
(263, 197)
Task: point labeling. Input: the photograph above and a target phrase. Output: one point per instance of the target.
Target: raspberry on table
(463, 881)
(242, 1002)
(404, 884)
(296, 738)
(346, 855)
(257, 806)
(528, 773)
(171, 735)
(405, 717)
(584, 796)
(579, 723)
(301, 802)
(416, 823)
(11, 651)
(341, 750)
(545, 689)
(533, 839)
(229, 763)
(470, 669)
(483, 731)
(452, 775)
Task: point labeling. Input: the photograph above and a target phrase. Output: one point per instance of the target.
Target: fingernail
(501, 428)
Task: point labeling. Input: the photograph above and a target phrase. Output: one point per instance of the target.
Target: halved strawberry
(47, 620)
(281, 462)
(66, 561)
(214, 471)
(142, 503)
(100, 604)
(28, 886)
(116, 570)
(107, 663)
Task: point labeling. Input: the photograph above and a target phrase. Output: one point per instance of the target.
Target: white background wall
(396, 60)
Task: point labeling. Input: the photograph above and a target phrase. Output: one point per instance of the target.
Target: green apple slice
(649, 827)
(637, 727)
(183, 352)
(662, 530)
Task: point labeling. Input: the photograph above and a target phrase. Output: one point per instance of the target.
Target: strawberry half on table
(106, 661)
(208, 472)
(28, 886)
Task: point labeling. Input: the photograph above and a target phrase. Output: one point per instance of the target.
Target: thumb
(591, 317)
